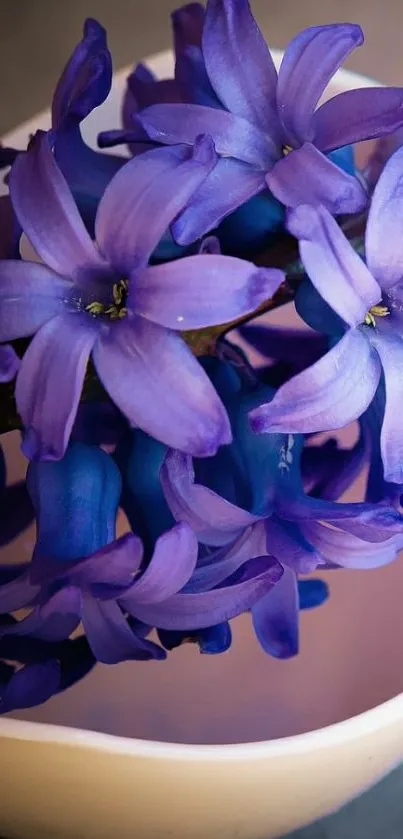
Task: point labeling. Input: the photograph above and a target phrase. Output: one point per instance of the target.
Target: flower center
(286, 150)
(376, 312)
(117, 309)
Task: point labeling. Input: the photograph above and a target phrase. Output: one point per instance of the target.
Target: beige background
(36, 37)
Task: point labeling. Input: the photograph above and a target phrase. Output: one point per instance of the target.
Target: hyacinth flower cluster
(137, 369)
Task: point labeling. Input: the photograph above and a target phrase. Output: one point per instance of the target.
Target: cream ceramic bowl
(238, 745)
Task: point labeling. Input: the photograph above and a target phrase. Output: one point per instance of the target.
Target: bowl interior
(350, 657)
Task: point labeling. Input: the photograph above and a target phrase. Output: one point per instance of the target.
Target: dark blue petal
(76, 661)
(315, 312)
(30, 686)
(140, 458)
(253, 225)
(75, 501)
(213, 640)
(344, 158)
(98, 423)
(312, 593)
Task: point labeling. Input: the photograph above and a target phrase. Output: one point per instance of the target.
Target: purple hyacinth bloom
(281, 521)
(367, 300)
(10, 234)
(103, 298)
(79, 574)
(268, 132)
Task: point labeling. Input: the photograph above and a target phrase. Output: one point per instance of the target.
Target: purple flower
(68, 581)
(281, 522)
(102, 298)
(368, 304)
(268, 132)
(10, 234)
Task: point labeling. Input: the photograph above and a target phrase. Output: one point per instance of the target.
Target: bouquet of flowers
(137, 366)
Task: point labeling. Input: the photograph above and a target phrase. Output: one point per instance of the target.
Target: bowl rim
(352, 728)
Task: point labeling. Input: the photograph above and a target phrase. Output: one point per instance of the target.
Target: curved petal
(110, 636)
(191, 79)
(212, 640)
(9, 363)
(310, 61)
(275, 617)
(333, 266)
(53, 620)
(286, 543)
(306, 176)
(221, 564)
(32, 685)
(17, 593)
(329, 470)
(54, 227)
(232, 135)
(30, 295)
(144, 89)
(349, 551)
(138, 364)
(58, 354)
(357, 115)
(187, 25)
(172, 564)
(239, 64)
(226, 188)
(334, 391)
(202, 290)
(316, 313)
(197, 611)
(113, 567)
(143, 199)
(86, 79)
(214, 520)
(383, 238)
(390, 350)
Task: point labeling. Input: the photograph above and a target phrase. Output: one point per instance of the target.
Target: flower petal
(383, 238)
(357, 115)
(32, 685)
(239, 63)
(138, 363)
(144, 197)
(113, 566)
(55, 228)
(310, 61)
(227, 187)
(275, 617)
(197, 611)
(329, 470)
(110, 636)
(86, 79)
(312, 593)
(390, 350)
(9, 363)
(172, 564)
(30, 295)
(53, 620)
(16, 512)
(232, 135)
(349, 551)
(75, 501)
(306, 176)
(212, 640)
(218, 566)
(58, 354)
(334, 391)
(333, 266)
(286, 542)
(214, 520)
(191, 80)
(202, 290)
(296, 346)
(187, 25)
(17, 593)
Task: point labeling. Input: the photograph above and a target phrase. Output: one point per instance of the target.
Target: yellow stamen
(95, 308)
(286, 150)
(376, 312)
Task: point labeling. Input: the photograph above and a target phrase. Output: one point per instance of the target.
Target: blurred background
(36, 38)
